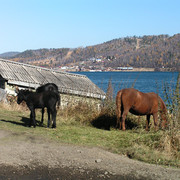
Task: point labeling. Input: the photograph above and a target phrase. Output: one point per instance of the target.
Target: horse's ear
(17, 89)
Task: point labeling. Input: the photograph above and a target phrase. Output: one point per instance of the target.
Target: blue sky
(34, 24)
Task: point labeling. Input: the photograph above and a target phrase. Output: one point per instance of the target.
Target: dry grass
(13, 107)
(82, 113)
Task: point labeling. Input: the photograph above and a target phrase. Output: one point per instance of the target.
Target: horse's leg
(42, 117)
(33, 117)
(49, 120)
(155, 118)
(119, 117)
(54, 117)
(30, 119)
(124, 114)
(120, 122)
(118, 110)
(147, 122)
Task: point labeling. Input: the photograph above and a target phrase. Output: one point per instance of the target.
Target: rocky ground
(24, 156)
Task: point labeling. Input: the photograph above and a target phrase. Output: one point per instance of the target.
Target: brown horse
(139, 103)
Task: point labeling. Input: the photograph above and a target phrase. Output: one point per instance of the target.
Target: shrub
(170, 141)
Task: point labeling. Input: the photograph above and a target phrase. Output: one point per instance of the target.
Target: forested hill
(147, 51)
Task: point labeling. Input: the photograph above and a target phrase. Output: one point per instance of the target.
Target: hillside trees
(146, 51)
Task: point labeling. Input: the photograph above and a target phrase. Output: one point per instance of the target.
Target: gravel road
(28, 157)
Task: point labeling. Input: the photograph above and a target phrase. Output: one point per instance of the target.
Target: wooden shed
(71, 86)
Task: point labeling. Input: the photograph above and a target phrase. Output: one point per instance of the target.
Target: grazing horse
(139, 103)
(48, 87)
(36, 100)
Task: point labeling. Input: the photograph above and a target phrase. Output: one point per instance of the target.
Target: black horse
(35, 100)
(48, 87)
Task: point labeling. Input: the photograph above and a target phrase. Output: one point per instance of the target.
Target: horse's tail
(118, 109)
(58, 99)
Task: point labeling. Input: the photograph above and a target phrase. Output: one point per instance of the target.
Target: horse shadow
(107, 122)
(23, 122)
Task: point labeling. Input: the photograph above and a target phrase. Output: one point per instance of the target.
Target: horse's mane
(40, 88)
(26, 92)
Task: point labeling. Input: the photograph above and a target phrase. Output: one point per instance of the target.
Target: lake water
(143, 81)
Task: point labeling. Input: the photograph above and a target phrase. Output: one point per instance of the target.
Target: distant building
(125, 68)
(64, 68)
(98, 60)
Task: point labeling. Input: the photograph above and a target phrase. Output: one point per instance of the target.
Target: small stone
(81, 170)
(101, 176)
(79, 151)
(98, 160)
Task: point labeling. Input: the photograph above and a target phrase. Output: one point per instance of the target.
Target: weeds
(170, 142)
(81, 113)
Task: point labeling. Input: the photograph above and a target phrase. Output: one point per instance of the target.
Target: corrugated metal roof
(34, 76)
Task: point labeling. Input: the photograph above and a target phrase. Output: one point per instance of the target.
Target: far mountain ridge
(161, 51)
(9, 54)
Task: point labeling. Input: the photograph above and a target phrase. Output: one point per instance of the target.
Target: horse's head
(163, 114)
(20, 96)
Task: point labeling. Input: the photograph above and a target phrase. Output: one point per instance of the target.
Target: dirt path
(28, 157)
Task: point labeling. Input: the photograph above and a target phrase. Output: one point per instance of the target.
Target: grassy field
(80, 125)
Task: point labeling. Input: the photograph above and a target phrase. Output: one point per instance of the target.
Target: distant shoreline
(132, 70)
(140, 69)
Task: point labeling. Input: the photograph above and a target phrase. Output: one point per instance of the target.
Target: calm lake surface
(143, 81)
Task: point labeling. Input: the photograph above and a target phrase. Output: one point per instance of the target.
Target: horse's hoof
(53, 126)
